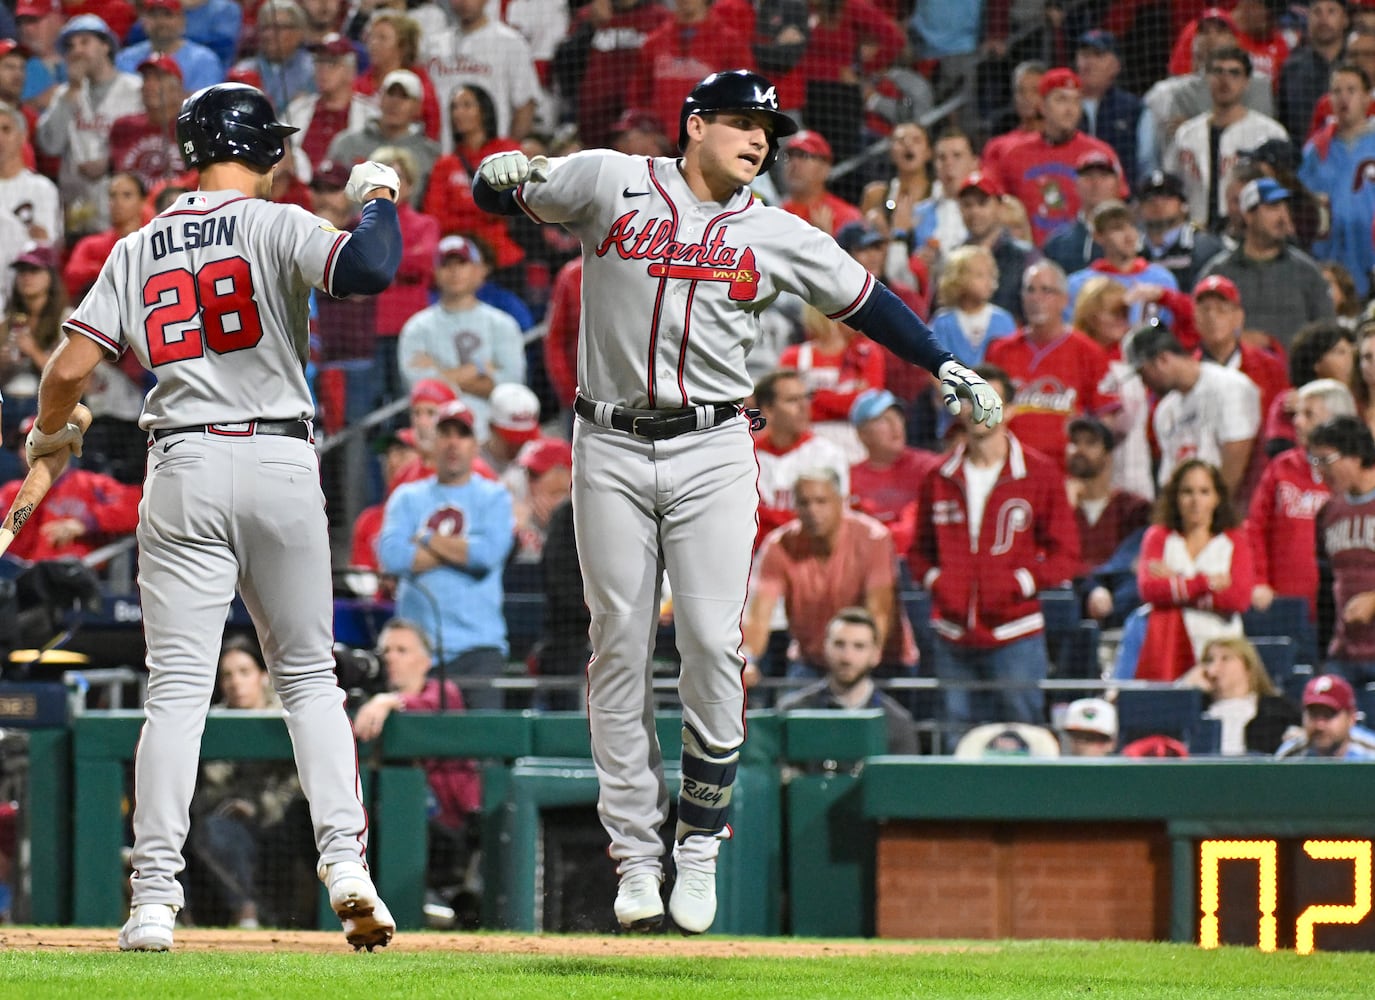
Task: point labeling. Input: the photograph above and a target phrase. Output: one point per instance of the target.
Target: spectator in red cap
(1220, 319)
(807, 162)
(334, 107)
(39, 22)
(1330, 729)
(547, 467)
(1253, 24)
(1039, 170)
(164, 22)
(76, 126)
(512, 424)
(981, 200)
(392, 40)
(145, 144)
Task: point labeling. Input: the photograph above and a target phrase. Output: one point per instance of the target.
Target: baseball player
(679, 262)
(211, 295)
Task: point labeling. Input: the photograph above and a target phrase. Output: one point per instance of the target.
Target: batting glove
(368, 175)
(503, 171)
(957, 381)
(38, 443)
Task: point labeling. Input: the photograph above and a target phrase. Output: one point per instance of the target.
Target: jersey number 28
(221, 292)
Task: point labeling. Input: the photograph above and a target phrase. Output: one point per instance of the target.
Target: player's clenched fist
(957, 381)
(39, 443)
(503, 171)
(367, 176)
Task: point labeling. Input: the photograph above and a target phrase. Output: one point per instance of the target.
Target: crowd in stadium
(1149, 223)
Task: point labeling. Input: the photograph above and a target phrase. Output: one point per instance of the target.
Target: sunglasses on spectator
(1323, 461)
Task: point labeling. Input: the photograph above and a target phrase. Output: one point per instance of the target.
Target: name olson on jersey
(192, 234)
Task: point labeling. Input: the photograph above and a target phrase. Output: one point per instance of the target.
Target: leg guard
(704, 799)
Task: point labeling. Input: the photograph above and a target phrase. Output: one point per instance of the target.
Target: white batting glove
(503, 171)
(368, 175)
(957, 381)
(38, 443)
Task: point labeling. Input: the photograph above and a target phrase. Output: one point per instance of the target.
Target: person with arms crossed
(212, 295)
(680, 261)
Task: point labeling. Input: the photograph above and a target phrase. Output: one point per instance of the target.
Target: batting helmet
(737, 90)
(230, 121)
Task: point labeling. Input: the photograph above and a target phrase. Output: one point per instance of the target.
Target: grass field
(918, 969)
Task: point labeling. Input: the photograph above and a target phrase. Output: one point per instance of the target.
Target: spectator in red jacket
(1195, 571)
(561, 336)
(1280, 523)
(886, 483)
(82, 511)
(692, 44)
(850, 41)
(126, 197)
(837, 366)
(995, 529)
(807, 163)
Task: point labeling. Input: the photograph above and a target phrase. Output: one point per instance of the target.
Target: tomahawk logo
(769, 97)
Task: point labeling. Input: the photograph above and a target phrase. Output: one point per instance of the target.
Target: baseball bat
(42, 474)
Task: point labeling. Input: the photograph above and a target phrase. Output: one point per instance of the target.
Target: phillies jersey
(1055, 382)
(1345, 173)
(779, 469)
(1042, 176)
(673, 287)
(1346, 533)
(212, 298)
(1280, 525)
(145, 149)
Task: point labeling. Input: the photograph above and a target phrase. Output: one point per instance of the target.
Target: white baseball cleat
(367, 921)
(693, 901)
(639, 904)
(149, 928)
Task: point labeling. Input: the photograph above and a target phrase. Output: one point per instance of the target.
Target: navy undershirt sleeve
(368, 262)
(887, 320)
(494, 202)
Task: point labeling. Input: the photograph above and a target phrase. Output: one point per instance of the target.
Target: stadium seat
(1061, 610)
(1286, 617)
(1074, 654)
(1173, 712)
(524, 622)
(1279, 654)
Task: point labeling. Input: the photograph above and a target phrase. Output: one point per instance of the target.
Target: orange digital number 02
(1266, 852)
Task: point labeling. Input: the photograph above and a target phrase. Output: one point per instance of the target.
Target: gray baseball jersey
(211, 296)
(674, 287)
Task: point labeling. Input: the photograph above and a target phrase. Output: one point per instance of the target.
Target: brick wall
(1023, 880)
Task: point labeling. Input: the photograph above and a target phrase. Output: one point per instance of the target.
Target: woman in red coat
(126, 196)
(1195, 572)
(449, 197)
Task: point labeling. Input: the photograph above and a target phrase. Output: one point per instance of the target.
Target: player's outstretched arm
(885, 319)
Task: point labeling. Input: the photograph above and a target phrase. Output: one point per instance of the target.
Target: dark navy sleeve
(886, 320)
(368, 262)
(494, 202)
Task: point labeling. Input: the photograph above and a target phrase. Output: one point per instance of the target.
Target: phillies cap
(980, 181)
(330, 174)
(1217, 284)
(404, 79)
(1332, 691)
(514, 412)
(637, 120)
(1219, 15)
(1099, 41)
(1158, 182)
(38, 256)
(458, 246)
(1095, 159)
(1060, 77)
(872, 403)
(812, 143)
(37, 8)
(333, 45)
(1091, 715)
(9, 47)
(1263, 191)
(432, 390)
(245, 74)
(455, 412)
(538, 457)
(162, 63)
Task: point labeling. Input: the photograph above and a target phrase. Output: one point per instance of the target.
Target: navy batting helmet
(230, 121)
(737, 90)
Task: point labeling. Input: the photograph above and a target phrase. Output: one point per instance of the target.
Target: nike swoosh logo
(627, 193)
(171, 444)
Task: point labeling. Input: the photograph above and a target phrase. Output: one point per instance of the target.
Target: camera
(359, 672)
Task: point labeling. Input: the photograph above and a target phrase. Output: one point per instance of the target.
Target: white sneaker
(693, 901)
(149, 928)
(639, 904)
(367, 921)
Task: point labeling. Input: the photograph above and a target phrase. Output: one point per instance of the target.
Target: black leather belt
(655, 425)
(298, 429)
